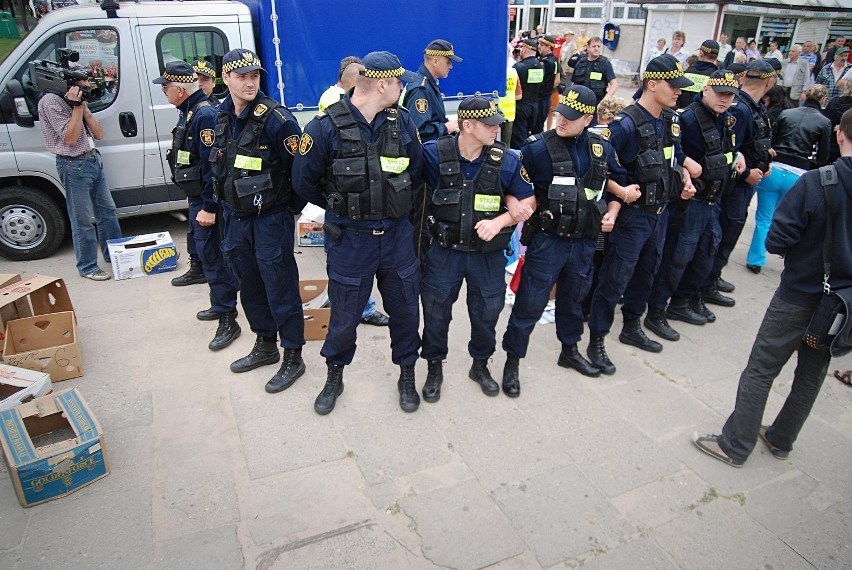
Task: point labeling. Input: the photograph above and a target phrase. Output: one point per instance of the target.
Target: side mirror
(13, 105)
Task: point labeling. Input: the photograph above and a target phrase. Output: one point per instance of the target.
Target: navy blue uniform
(549, 259)
(551, 69)
(426, 106)
(259, 248)
(636, 242)
(366, 249)
(531, 75)
(446, 268)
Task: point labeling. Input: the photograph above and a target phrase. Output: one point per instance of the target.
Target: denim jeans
(87, 196)
(769, 193)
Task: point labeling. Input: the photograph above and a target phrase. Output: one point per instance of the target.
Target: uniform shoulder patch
(305, 144)
(730, 121)
(291, 144)
(675, 130)
(605, 133)
(260, 109)
(422, 105)
(597, 149)
(208, 137)
(525, 176)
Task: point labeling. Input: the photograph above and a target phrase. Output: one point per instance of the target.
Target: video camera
(52, 77)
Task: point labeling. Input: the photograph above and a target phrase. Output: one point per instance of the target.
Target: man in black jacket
(797, 233)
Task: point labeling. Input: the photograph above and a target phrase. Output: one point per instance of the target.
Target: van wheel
(32, 225)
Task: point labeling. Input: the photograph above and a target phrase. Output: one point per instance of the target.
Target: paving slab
(823, 453)
(826, 539)
(639, 553)
(790, 500)
(13, 519)
(211, 548)
(662, 500)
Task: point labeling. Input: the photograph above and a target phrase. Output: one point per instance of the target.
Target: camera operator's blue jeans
(88, 196)
(770, 190)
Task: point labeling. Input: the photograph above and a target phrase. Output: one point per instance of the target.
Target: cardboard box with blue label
(52, 446)
(146, 254)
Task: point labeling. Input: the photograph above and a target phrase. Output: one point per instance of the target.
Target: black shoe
(227, 332)
(633, 335)
(680, 310)
(193, 276)
(656, 323)
(511, 381)
(570, 357)
(598, 356)
(377, 319)
(724, 286)
(480, 374)
(714, 297)
(264, 352)
(409, 399)
(332, 390)
(292, 367)
(697, 304)
(434, 379)
(207, 315)
(754, 268)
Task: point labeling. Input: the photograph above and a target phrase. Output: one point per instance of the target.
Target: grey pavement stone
(525, 561)
(640, 553)
(834, 404)
(461, 527)
(130, 455)
(702, 366)
(10, 559)
(13, 517)
(98, 531)
(720, 535)
(662, 500)
(825, 540)
(823, 453)
(790, 500)
(211, 548)
(462, 400)
(561, 515)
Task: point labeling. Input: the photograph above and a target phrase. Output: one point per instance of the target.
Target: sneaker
(98, 275)
(709, 444)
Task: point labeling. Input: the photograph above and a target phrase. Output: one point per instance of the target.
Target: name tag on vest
(183, 157)
(564, 180)
(486, 203)
(248, 162)
(535, 76)
(394, 165)
(595, 76)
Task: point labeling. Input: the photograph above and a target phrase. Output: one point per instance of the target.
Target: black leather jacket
(798, 130)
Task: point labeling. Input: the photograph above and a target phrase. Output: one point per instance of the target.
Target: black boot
(511, 381)
(480, 374)
(724, 286)
(434, 379)
(656, 322)
(264, 352)
(632, 334)
(570, 357)
(597, 354)
(409, 399)
(697, 305)
(333, 388)
(713, 296)
(681, 310)
(193, 276)
(207, 315)
(227, 332)
(292, 366)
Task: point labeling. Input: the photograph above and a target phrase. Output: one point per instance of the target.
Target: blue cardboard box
(52, 446)
(147, 254)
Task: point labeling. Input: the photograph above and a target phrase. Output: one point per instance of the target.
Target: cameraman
(70, 131)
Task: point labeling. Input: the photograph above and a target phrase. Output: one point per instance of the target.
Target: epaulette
(423, 83)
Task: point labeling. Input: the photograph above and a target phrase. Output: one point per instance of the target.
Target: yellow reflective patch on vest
(247, 162)
(729, 157)
(535, 76)
(668, 152)
(183, 157)
(592, 194)
(595, 75)
(486, 203)
(394, 165)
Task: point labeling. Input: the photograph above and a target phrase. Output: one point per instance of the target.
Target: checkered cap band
(179, 78)
(706, 49)
(382, 73)
(764, 75)
(477, 113)
(541, 40)
(440, 52)
(730, 80)
(666, 75)
(577, 105)
(202, 67)
(246, 61)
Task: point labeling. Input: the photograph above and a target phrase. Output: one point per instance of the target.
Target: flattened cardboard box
(19, 385)
(46, 343)
(37, 295)
(52, 446)
(316, 319)
(146, 254)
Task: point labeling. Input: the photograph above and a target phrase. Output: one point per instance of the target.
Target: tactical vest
(185, 165)
(242, 177)
(531, 81)
(591, 74)
(757, 152)
(699, 80)
(718, 156)
(368, 181)
(653, 166)
(459, 204)
(548, 62)
(572, 206)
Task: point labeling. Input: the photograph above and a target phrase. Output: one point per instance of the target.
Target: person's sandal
(845, 376)
(776, 452)
(709, 444)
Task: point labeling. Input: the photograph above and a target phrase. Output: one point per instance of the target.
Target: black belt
(87, 154)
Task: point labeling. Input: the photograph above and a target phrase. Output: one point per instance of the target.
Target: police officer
(206, 79)
(422, 97)
(552, 75)
(753, 129)
(362, 162)
(595, 71)
(478, 191)
(646, 137)
(693, 235)
(350, 67)
(531, 75)
(189, 160)
(698, 72)
(568, 167)
(255, 141)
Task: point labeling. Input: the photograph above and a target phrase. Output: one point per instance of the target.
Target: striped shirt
(55, 115)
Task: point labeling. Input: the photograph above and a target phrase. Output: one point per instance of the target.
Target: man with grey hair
(795, 73)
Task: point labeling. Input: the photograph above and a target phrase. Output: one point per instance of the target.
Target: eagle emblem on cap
(729, 76)
(260, 109)
(679, 67)
(492, 107)
(422, 105)
(207, 137)
(597, 150)
(572, 95)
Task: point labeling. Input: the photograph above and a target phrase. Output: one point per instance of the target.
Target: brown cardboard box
(6, 313)
(316, 320)
(19, 385)
(46, 343)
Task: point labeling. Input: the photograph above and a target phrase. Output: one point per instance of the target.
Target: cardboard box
(311, 233)
(52, 446)
(5, 279)
(19, 385)
(45, 343)
(37, 295)
(146, 254)
(314, 296)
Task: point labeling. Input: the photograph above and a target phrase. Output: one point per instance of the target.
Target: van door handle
(127, 122)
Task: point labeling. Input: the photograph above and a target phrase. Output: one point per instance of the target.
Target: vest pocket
(250, 191)
(399, 199)
(188, 179)
(350, 174)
